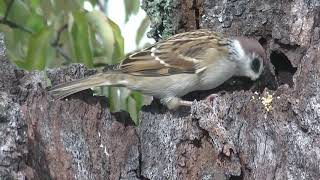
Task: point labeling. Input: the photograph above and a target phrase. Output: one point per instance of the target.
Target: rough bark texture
(271, 134)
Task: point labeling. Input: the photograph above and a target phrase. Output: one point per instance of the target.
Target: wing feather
(182, 53)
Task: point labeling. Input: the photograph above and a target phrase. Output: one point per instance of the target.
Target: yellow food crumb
(267, 102)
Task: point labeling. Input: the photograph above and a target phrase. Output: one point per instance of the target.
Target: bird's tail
(101, 79)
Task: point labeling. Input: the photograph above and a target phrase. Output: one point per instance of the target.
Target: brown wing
(182, 53)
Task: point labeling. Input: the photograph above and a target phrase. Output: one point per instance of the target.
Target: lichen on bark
(162, 15)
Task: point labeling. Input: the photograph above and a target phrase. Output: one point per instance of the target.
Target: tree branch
(8, 9)
(57, 46)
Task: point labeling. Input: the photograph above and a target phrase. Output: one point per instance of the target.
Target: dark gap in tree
(124, 118)
(196, 14)
(262, 41)
(284, 70)
(237, 177)
(286, 45)
(196, 142)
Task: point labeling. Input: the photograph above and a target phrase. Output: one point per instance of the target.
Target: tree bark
(269, 134)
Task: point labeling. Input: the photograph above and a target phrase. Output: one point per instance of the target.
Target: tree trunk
(269, 134)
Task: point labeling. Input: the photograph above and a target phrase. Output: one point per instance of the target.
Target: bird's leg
(185, 103)
(175, 102)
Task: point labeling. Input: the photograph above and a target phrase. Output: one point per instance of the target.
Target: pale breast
(165, 86)
(217, 74)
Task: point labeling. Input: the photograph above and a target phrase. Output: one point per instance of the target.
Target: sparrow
(186, 62)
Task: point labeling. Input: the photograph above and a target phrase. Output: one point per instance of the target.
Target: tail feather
(68, 88)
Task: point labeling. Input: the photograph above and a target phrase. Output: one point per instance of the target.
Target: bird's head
(250, 56)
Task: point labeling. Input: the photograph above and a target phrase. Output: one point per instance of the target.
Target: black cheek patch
(255, 65)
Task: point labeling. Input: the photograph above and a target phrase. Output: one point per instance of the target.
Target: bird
(189, 61)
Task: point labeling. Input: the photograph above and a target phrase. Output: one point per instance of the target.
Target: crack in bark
(196, 13)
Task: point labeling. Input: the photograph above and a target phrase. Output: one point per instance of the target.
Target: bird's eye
(255, 65)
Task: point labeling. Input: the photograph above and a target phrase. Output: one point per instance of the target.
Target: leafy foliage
(132, 7)
(142, 29)
(44, 34)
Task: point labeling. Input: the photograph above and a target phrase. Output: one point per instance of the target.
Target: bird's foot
(211, 97)
(175, 102)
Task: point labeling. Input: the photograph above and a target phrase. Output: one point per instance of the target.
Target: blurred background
(43, 34)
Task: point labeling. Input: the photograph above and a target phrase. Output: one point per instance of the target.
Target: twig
(11, 24)
(15, 25)
(56, 42)
(63, 54)
(8, 10)
(100, 5)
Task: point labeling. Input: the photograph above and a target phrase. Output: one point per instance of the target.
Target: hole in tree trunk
(237, 177)
(124, 118)
(283, 68)
(262, 41)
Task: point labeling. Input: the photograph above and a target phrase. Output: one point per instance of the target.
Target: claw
(211, 97)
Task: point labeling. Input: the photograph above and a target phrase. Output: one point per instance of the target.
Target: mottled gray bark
(271, 134)
(240, 137)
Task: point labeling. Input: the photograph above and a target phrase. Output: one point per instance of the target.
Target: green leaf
(46, 10)
(15, 41)
(131, 7)
(117, 98)
(67, 6)
(35, 22)
(3, 8)
(114, 99)
(80, 2)
(24, 16)
(19, 12)
(142, 29)
(93, 2)
(101, 25)
(38, 50)
(81, 39)
(34, 3)
(119, 43)
(134, 104)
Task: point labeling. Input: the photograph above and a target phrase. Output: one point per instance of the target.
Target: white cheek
(243, 67)
(240, 52)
